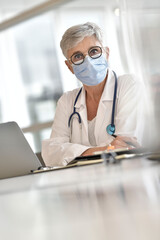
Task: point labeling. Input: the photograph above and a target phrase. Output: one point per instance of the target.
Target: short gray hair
(77, 33)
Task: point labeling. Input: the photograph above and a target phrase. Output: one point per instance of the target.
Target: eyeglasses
(78, 57)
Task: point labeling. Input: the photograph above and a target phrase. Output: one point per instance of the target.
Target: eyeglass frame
(70, 59)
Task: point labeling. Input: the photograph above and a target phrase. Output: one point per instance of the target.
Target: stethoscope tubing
(111, 127)
(74, 110)
(114, 99)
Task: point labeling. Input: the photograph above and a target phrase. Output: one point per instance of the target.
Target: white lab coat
(67, 143)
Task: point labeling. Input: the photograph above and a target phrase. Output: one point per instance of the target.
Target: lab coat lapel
(107, 95)
(81, 108)
(99, 120)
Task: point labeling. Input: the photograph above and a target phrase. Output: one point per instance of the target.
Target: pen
(114, 135)
(129, 143)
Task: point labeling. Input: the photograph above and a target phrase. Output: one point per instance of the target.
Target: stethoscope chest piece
(110, 129)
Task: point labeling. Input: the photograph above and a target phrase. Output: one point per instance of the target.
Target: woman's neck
(94, 93)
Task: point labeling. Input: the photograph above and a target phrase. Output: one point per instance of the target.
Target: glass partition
(32, 68)
(11, 8)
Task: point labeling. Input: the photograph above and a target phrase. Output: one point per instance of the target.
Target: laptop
(16, 155)
(18, 159)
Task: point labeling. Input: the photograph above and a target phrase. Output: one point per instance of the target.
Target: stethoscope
(111, 127)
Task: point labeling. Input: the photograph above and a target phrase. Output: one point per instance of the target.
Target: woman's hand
(125, 142)
(118, 142)
(91, 151)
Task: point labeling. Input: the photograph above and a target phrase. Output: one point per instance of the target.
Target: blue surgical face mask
(92, 71)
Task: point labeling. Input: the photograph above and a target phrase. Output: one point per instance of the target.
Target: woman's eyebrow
(87, 50)
(76, 52)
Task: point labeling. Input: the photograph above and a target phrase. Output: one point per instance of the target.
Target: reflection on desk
(91, 202)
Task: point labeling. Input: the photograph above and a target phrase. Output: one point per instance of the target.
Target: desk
(95, 202)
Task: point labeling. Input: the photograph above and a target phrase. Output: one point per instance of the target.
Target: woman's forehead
(84, 45)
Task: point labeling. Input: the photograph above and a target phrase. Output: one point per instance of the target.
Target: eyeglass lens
(94, 52)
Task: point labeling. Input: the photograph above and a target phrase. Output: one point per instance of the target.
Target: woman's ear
(107, 52)
(69, 66)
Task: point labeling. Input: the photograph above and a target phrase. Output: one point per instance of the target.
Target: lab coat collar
(108, 91)
(81, 100)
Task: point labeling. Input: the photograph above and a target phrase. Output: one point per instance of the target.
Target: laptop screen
(16, 155)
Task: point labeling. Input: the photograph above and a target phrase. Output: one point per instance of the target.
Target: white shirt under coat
(67, 143)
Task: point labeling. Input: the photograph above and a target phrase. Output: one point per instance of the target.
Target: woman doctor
(85, 120)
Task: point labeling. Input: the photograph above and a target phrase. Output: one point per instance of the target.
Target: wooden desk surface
(92, 202)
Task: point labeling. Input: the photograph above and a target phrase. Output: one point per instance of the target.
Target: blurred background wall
(32, 71)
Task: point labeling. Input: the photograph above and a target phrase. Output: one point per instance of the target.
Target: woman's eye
(94, 51)
(78, 56)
